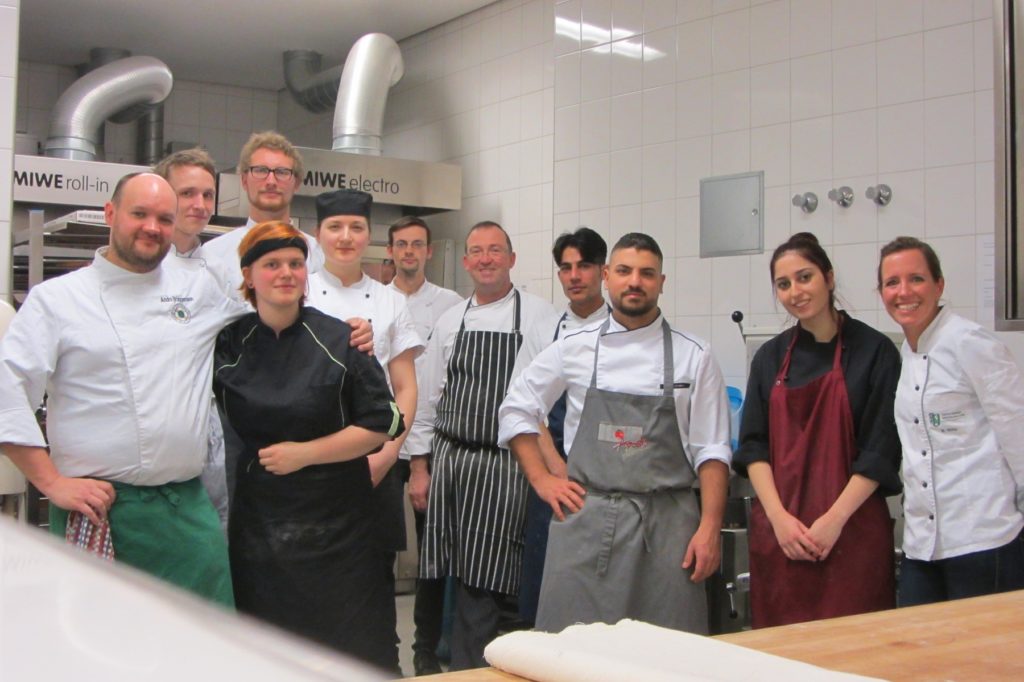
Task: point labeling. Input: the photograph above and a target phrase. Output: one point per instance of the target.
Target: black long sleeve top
(871, 369)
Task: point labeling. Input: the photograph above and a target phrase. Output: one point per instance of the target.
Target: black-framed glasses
(281, 173)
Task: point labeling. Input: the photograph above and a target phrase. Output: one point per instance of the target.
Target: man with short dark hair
(646, 417)
(579, 257)
(123, 350)
(476, 503)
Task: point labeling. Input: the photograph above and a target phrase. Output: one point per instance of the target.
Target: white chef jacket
(426, 305)
(394, 331)
(214, 476)
(192, 261)
(125, 360)
(960, 415)
(570, 321)
(537, 319)
(221, 255)
(629, 362)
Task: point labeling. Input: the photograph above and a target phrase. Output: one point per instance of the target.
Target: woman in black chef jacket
(308, 408)
(818, 441)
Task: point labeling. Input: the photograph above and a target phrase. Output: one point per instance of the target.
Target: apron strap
(640, 502)
(836, 358)
(515, 314)
(597, 349)
(667, 379)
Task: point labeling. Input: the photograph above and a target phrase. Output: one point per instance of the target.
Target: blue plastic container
(735, 413)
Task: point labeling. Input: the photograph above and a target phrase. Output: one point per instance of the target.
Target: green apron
(170, 531)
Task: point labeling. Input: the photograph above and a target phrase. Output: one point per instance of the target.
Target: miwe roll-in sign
(45, 180)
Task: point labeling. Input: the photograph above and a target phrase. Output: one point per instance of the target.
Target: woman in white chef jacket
(960, 415)
(342, 290)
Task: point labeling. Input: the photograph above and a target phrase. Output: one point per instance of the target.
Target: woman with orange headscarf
(308, 408)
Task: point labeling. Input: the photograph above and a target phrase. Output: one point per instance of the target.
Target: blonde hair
(196, 156)
(270, 139)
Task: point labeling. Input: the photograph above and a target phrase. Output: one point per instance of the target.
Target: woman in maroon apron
(819, 443)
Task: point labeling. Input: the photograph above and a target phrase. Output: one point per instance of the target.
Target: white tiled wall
(219, 117)
(478, 92)
(9, 12)
(652, 96)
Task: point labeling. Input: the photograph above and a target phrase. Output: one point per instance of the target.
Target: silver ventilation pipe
(373, 66)
(149, 140)
(80, 112)
(316, 91)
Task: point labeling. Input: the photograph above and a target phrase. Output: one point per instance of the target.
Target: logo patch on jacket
(181, 313)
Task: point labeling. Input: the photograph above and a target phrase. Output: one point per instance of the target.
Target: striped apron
(477, 501)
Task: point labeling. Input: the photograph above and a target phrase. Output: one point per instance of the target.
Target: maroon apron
(812, 446)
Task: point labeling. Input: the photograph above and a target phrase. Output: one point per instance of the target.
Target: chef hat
(343, 202)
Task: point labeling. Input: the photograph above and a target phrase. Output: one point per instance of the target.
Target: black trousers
(480, 616)
(428, 608)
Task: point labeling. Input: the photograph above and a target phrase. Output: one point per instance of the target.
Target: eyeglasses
(402, 244)
(281, 173)
(492, 251)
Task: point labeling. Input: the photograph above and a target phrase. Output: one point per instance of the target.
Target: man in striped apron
(476, 504)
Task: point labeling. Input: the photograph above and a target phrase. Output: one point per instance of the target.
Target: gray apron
(620, 556)
(477, 500)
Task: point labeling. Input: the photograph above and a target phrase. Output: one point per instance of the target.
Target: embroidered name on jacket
(628, 437)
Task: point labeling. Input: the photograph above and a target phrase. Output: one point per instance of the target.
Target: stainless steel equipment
(1008, 22)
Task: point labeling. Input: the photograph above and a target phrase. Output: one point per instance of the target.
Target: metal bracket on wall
(806, 202)
(842, 196)
(880, 194)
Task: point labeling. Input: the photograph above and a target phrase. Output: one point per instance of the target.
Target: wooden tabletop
(968, 639)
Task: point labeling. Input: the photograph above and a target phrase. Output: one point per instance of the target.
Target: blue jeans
(970, 575)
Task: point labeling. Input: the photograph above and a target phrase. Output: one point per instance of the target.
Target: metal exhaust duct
(316, 91)
(358, 92)
(79, 114)
(373, 66)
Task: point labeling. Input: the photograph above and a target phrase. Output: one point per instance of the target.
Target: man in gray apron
(580, 257)
(477, 499)
(647, 417)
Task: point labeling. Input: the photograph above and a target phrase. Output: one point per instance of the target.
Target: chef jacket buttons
(925, 484)
(367, 296)
(931, 517)
(917, 388)
(325, 292)
(924, 453)
(916, 420)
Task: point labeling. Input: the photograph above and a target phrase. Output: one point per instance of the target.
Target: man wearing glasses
(477, 500)
(271, 170)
